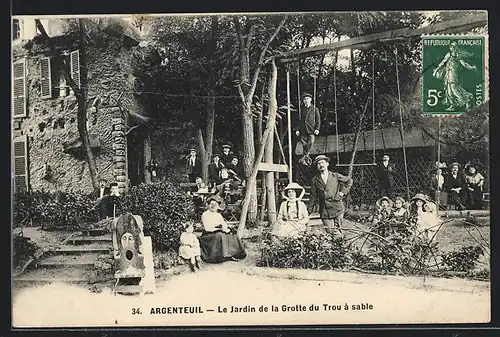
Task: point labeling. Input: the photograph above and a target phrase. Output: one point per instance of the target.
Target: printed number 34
(433, 97)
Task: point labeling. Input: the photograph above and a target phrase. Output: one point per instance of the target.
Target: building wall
(52, 122)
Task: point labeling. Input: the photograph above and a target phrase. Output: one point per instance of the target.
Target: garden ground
(241, 283)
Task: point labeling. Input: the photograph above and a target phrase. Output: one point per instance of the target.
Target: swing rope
(401, 125)
(373, 107)
(336, 117)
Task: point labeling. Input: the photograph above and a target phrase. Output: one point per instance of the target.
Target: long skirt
(218, 246)
(286, 229)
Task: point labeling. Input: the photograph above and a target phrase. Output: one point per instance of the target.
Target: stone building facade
(47, 151)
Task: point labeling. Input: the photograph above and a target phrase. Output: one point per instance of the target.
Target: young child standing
(190, 247)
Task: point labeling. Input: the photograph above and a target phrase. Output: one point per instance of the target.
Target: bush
(464, 259)
(311, 251)
(53, 210)
(23, 249)
(164, 208)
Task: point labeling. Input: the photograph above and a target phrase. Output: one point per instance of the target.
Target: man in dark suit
(308, 124)
(236, 167)
(193, 166)
(385, 175)
(103, 189)
(108, 205)
(454, 184)
(227, 155)
(214, 170)
(327, 191)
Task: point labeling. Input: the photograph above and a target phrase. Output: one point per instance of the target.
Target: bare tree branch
(262, 56)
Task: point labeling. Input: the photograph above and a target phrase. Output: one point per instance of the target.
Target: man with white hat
(193, 165)
(327, 191)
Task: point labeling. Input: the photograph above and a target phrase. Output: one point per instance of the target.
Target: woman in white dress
(293, 216)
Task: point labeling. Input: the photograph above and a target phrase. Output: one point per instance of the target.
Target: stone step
(71, 274)
(82, 261)
(89, 239)
(102, 249)
(94, 231)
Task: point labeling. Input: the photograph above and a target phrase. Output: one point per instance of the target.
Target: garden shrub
(464, 259)
(311, 251)
(53, 210)
(164, 208)
(23, 249)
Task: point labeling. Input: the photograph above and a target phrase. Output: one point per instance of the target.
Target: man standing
(193, 166)
(309, 124)
(103, 188)
(454, 184)
(327, 191)
(385, 175)
(108, 205)
(214, 170)
(227, 155)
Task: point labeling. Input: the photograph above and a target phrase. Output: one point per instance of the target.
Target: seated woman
(423, 212)
(474, 182)
(292, 216)
(218, 243)
(229, 183)
(399, 212)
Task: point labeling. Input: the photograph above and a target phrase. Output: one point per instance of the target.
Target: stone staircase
(72, 262)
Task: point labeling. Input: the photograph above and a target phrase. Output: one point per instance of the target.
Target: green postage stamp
(454, 73)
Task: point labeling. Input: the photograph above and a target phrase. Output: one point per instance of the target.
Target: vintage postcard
(250, 169)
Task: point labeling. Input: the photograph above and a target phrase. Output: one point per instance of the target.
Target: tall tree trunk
(82, 107)
(209, 133)
(271, 120)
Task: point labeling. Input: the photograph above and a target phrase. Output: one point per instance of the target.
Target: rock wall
(52, 122)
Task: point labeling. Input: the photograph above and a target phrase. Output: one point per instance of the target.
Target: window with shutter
(75, 66)
(20, 165)
(19, 88)
(46, 77)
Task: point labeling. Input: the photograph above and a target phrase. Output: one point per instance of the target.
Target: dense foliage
(23, 249)
(164, 208)
(311, 251)
(53, 210)
(391, 247)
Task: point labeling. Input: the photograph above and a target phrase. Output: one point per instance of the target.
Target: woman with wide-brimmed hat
(474, 187)
(424, 213)
(218, 242)
(293, 216)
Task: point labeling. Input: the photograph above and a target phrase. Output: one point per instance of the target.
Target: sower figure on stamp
(308, 125)
(327, 191)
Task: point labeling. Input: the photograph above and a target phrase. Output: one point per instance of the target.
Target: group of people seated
(420, 210)
(461, 188)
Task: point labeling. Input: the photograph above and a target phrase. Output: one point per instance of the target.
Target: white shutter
(20, 163)
(45, 77)
(19, 88)
(74, 61)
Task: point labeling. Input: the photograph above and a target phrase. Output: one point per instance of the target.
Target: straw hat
(379, 201)
(294, 186)
(420, 196)
(320, 157)
(306, 94)
(218, 199)
(226, 146)
(455, 164)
